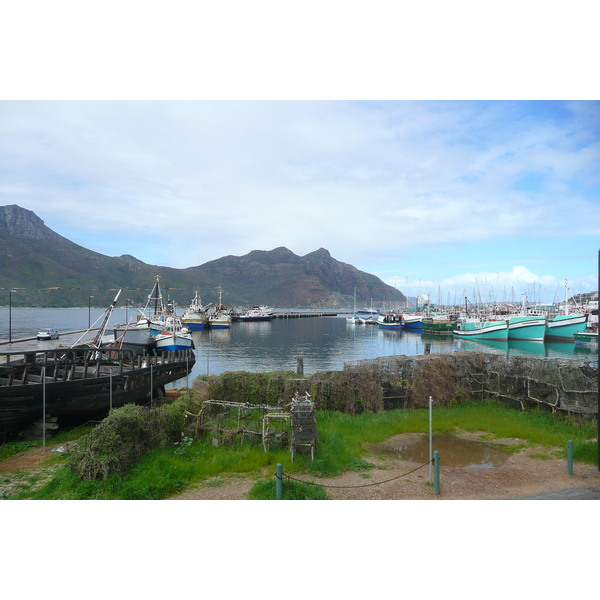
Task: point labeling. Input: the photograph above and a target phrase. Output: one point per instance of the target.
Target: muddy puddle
(454, 451)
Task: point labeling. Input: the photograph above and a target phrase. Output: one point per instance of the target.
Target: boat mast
(102, 329)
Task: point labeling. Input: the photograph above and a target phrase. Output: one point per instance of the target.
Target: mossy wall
(409, 381)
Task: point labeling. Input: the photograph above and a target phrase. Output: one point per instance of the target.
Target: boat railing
(88, 356)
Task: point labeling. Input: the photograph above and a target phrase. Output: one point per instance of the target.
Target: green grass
(166, 471)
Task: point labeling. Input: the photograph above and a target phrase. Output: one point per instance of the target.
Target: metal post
(570, 457)
(436, 460)
(44, 408)
(430, 438)
(279, 482)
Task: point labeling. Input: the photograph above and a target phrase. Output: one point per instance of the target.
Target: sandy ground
(523, 474)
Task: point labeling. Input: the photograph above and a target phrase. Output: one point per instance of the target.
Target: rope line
(351, 486)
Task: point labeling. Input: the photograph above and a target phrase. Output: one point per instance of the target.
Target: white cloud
(367, 180)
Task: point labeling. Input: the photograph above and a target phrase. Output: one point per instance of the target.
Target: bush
(124, 436)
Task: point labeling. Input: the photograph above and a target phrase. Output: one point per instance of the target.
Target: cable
(352, 486)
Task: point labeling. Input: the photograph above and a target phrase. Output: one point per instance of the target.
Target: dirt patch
(527, 472)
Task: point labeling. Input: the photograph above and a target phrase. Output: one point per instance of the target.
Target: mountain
(47, 269)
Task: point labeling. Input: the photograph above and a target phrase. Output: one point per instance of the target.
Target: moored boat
(412, 320)
(563, 327)
(257, 313)
(439, 323)
(220, 317)
(391, 320)
(483, 330)
(195, 316)
(589, 337)
(524, 327)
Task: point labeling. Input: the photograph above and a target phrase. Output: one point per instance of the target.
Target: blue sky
(440, 197)
(187, 139)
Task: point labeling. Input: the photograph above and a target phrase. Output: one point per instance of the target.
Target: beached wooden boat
(78, 384)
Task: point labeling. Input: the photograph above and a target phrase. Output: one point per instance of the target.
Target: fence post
(279, 482)
(570, 457)
(436, 471)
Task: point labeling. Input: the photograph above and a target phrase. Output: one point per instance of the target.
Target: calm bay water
(325, 343)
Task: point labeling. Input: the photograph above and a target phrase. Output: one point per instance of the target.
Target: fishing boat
(589, 337)
(174, 337)
(390, 320)
(139, 336)
(563, 327)
(477, 329)
(220, 317)
(525, 327)
(195, 316)
(412, 320)
(439, 323)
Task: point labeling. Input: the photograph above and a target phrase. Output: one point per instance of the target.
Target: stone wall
(570, 386)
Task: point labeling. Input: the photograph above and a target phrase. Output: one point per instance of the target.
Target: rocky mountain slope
(49, 270)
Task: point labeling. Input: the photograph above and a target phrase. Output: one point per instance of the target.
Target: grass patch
(292, 490)
(167, 470)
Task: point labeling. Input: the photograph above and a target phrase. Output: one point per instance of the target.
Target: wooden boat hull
(77, 385)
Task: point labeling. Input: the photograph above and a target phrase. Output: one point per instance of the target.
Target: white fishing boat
(219, 317)
(195, 316)
(174, 337)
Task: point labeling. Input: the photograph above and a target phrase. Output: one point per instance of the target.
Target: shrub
(124, 436)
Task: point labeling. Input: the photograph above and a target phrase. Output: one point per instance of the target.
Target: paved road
(569, 494)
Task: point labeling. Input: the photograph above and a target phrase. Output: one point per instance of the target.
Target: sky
(490, 199)
(470, 179)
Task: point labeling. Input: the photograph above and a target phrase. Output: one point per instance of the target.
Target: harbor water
(324, 343)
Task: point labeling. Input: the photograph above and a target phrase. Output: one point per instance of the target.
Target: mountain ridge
(47, 269)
